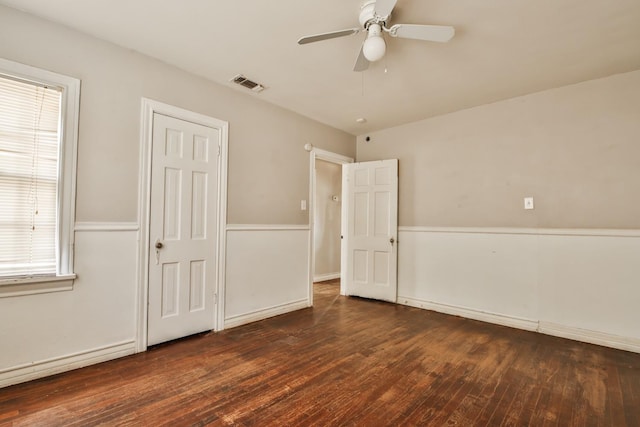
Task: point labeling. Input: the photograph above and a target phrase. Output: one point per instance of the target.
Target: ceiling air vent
(249, 84)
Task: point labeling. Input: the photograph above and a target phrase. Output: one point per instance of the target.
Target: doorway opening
(327, 220)
(325, 216)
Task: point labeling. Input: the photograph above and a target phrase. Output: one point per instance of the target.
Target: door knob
(159, 245)
(391, 240)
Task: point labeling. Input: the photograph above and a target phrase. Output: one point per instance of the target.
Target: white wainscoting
(96, 321)
(267, 271)
(578, 284)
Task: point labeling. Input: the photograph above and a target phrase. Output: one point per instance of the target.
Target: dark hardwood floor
(347, 361)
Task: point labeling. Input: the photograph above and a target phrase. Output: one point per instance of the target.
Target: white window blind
(30, 123)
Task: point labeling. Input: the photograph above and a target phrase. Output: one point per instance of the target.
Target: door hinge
(219, 149)
(215, 299)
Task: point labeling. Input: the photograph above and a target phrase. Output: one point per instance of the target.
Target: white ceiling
(502, 49)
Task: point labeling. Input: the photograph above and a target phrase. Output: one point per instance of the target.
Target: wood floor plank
(348, 362)
(630, 394)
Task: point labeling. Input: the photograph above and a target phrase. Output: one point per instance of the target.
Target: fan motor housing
(368, 15)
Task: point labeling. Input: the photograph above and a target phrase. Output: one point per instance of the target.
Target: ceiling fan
(374, 16)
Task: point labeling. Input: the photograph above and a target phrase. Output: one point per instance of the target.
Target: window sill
(35, 285)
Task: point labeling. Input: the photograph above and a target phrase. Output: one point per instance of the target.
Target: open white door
(182, 229)
(370, 225)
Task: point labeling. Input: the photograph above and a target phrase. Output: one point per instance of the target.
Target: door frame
(328, 156)
(149, 108)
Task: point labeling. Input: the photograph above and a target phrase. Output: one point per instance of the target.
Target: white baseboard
(593, 337)
(255, 316)
(32, 371)
(547, 328)
(469, 313)
(328, 276)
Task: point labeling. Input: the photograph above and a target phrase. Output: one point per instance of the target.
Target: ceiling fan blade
(384, 7)
(362, 63)
(432, 33)
(327, 36)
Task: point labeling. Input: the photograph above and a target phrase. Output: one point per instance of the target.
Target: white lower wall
(590, 283)
(580, 284)
(95, 321)
(267, 271)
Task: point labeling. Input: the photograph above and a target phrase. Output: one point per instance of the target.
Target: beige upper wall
(575, 149)
(268, 166)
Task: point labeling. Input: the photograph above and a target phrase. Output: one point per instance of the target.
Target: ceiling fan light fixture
(374, 17)
(374, 46)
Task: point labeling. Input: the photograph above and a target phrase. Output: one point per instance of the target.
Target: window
(38, 138)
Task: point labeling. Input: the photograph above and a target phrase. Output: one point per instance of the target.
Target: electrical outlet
(528, 202)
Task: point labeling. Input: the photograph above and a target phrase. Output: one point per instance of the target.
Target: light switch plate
(303, 205)
(528, 202)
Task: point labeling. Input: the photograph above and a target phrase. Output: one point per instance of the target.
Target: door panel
(182, 229)
(197, 285)
(370, 193)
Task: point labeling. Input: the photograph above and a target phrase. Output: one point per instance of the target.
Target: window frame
(67, 161)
